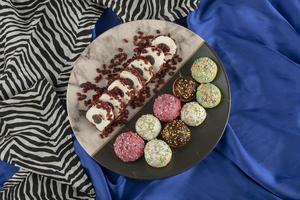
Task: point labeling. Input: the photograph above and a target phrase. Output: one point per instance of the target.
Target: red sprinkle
(110, 72)
(81, 98)
(87, 86)
(105, 106)
(87, 102)
(98, 78)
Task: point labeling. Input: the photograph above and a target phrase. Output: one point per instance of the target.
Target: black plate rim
(225, 124)
(221, 135)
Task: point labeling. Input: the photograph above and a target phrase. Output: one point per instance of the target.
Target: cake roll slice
(155, 56)
(121, 87)
(114, 101)
(144, 67)
(101, 115)
(166, 44)
(134, 77)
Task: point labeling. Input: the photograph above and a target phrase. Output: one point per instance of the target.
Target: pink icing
(129, 146)
(167, 107)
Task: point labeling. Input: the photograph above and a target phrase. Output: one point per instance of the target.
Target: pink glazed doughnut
(167, 107)
(129, 146)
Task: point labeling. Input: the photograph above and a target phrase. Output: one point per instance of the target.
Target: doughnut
(148, 126)
(166, 107)
(208, 95)
(129, 146)
(176, 133)
(185, 88)
(192, 114)
(157, 153)
(204, 70)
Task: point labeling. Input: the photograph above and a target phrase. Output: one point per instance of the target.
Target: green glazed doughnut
(208, 95)
(204, 70)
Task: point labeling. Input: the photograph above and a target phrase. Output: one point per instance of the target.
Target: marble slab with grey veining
(100, 52)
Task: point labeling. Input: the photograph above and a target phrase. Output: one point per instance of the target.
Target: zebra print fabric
(42, 39)
(39, 42)
(170, 10)
(28, 185)
(35, 135)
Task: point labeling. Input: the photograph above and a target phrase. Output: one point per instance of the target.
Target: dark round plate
(204, 138)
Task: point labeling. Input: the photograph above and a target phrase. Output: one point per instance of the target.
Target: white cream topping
(136, 82)
(125, 89)
(145, 67)
(158, 56)
(115, 102)
(168, 42)
(99, 111)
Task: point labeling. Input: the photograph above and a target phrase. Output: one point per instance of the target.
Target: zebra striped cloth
(39, 42)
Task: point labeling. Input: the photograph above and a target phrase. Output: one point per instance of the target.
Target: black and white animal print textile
(170, 10)
(39, 42)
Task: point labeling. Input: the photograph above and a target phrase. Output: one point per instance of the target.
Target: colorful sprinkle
(176, 133)
(193, 114)
(157, 153)
(166, 107)
(129, 146)
(185, 88)
(208, 95)
(204, 70)
(148, 127)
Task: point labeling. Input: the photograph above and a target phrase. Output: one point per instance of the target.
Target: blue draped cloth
(259, 154)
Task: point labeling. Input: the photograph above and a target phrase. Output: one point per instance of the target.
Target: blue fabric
(6, 172)
(258, 156)
(107, 20)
